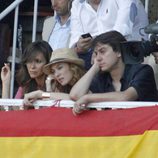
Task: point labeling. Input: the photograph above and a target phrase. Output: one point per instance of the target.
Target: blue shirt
(60, 34)
(140, 77)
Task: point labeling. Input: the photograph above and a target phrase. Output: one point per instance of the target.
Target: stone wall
(153, 10)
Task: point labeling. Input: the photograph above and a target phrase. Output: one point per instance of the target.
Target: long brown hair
(23, 78)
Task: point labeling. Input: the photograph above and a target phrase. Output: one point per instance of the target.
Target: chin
(33, 77)
(104, 70)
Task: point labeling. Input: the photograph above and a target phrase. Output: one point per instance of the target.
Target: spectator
(109, 79)
(99, 16)
(56, 29)
(66, 69)
(30, 75)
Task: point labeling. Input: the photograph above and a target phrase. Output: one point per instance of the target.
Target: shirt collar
(81, 1)
(57, 18)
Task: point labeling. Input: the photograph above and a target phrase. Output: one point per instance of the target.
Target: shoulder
(135, 68)
(77, 3)
(49, 19)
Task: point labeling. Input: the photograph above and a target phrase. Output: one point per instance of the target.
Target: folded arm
(31, 97)
(128, 95)
(82, 86)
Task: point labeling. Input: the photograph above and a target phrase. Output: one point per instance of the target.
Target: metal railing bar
(14, 51)
(10, 8)
(35, 20)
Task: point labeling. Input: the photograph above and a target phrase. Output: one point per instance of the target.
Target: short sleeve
(144, 83)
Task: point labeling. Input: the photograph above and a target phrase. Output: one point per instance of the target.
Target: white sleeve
(75, 23)
(127, 11)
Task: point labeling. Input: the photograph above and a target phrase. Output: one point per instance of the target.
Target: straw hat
(63, 55)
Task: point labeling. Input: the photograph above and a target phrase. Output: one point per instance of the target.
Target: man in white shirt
(56, 29)
(99, 16)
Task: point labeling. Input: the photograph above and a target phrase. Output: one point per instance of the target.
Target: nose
(98, 57)
(56, 74)
(32, 64)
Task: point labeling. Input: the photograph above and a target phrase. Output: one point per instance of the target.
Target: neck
(64, 18)
(94, 4)
(118, 71)
(40, 82)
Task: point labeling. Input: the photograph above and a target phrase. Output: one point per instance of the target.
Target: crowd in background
(80, 56)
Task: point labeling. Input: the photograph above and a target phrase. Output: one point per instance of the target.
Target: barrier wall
(56, 132)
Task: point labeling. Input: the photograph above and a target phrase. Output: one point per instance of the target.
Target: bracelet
(45, 95)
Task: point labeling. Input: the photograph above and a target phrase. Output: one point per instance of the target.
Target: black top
(139, 76)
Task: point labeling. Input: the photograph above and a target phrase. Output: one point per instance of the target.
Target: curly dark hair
(112, 38)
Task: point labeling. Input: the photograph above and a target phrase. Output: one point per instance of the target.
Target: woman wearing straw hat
(66, 69)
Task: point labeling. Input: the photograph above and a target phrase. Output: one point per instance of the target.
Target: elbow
(73, 96)
(124, 97)
(129, 97)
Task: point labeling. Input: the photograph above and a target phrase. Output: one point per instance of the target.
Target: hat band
(59, 59)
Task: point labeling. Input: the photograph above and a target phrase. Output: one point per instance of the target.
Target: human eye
(103, 51)
(95, 52)
(38, 61)
(53, 72)
(59, 67)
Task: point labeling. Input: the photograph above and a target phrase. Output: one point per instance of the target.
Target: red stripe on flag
(61, 122)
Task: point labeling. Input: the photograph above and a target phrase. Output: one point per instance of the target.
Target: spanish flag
(56, 133)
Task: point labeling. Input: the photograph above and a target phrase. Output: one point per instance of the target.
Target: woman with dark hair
(66, 69)
(30, 76)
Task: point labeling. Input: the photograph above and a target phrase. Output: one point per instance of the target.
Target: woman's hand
(31, 97)
(49, 83)
(5, 73)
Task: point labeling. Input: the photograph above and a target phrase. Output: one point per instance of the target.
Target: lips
(33, 72)
(60, 80)
(101, 65)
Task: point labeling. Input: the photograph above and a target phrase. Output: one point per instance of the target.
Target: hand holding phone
(86, 35)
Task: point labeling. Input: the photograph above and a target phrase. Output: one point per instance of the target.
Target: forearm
(82, 86)
(6, 91)
(128, 95)
(53, 95)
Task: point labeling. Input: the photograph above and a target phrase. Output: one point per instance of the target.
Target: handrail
(14, 50)
(34, 20)
(10, 8)
(6, 103)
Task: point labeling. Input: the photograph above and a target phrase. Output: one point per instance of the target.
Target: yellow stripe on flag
(135, 146)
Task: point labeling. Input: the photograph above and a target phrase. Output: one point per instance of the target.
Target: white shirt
(125, 16)
(60, 34)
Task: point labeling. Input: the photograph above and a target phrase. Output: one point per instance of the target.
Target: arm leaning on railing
(69, 104)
